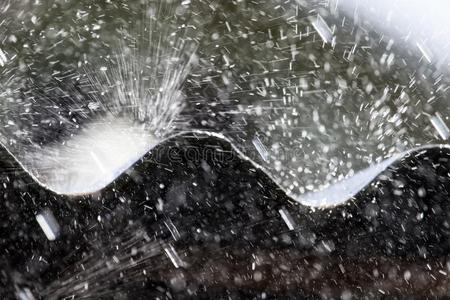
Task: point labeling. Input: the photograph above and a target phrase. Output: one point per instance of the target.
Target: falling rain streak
(322, 29)
(48, 223)
(440, 126)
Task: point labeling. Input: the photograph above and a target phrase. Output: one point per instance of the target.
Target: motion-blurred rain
(241, 149)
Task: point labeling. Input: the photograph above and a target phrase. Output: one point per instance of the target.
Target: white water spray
(134, 103)
(137, 100)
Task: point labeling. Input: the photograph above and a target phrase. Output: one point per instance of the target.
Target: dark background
(390, 241)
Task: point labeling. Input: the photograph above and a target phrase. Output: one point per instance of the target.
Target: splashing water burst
(320, 101)
(133, 103)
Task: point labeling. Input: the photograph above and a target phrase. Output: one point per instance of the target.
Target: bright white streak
(425, 52)
(262, 150)
(3, 58)
(287, 218)
(48, 223)
(440, 126)
(173, 256)
(322, 29)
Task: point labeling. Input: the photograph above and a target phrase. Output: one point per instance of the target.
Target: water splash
(318, 94)
(316, 98)
(78, 138)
